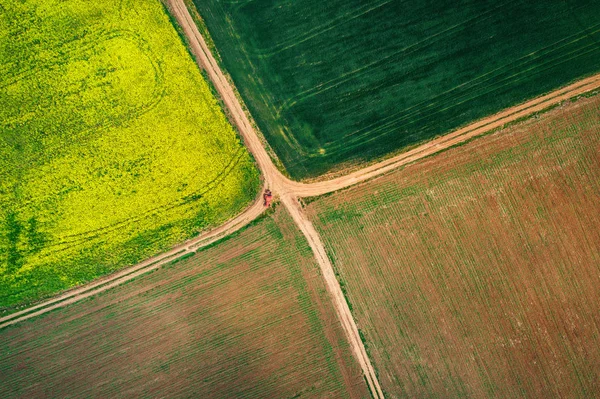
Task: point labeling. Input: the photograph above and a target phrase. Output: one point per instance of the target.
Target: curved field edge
(207, 239)
(474, 272)
(203, 30)
(340, 85)
(113, 146)
(247, 317)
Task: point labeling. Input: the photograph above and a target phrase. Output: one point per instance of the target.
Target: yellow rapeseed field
(112, 145)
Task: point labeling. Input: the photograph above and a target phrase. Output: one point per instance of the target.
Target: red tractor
(267, 197)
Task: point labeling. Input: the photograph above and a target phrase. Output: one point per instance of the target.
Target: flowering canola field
(112, 145)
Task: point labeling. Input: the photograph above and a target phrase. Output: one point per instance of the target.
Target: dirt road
(279, 184)
(459, 136)
(289, 191)
(102, 284)
(333, 287)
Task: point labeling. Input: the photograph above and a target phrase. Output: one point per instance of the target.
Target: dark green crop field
(346, 81)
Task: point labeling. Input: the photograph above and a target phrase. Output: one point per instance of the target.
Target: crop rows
(113, 147)
(474, 273)
(249, 317)
(348, 81)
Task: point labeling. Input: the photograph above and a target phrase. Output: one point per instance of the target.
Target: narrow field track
(113, 280)
(289, 191)
(114, 149)
(474, 272)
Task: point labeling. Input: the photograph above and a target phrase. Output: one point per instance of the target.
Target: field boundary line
(129, 273)
(475, 129)
(335, 290)
(289, 191)
(278, 183)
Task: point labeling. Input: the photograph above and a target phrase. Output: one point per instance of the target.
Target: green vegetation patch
(246, 318)
(338, 81)
(475, 272)
(112, 147)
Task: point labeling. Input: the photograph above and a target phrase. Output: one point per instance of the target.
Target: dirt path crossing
(289, 191)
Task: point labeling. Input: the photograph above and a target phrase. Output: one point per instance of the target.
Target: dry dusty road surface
(207, 62)
(289, 191)
(279, 185)
(334, 289)
(459, 136)
(115, 279)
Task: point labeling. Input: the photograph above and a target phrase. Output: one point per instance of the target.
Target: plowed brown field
(475, 272)
(248, 318)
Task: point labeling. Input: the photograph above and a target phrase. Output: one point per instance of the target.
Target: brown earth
(289, 191)
(249, 318)
(475, 273)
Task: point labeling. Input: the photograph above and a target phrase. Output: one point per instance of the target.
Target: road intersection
(289, 192)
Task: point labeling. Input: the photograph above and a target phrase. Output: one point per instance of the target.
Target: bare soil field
(475, 272)
(248, 317)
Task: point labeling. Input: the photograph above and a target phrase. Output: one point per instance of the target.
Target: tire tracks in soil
(290, 191)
